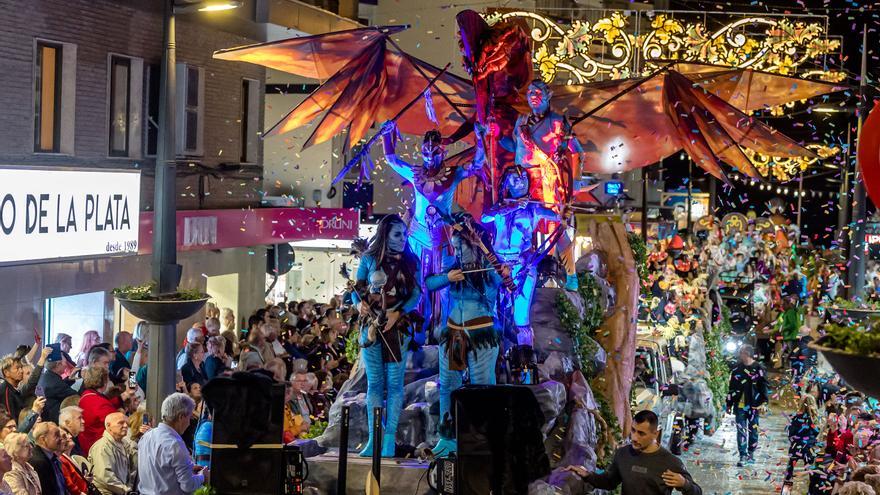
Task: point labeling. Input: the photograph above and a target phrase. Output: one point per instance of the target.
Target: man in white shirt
(164, 465)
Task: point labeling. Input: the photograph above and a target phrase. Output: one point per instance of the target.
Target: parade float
(496, 252)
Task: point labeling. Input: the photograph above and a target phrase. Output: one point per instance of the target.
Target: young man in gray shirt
(643, 467)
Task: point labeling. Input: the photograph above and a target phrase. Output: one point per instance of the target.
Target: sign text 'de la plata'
(50, 214)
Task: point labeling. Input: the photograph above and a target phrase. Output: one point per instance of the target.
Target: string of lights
(785, 190)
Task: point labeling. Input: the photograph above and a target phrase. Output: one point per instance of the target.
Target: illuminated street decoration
(584, 51)
(572, 51)
(784, 169)
(581, 51)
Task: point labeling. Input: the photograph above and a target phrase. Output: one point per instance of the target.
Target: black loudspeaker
(248, 407)
(248, 471)
(279, 259)
(244, 471)
(500, 445)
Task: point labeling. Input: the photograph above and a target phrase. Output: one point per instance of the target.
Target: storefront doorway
(224, 291)
(75, 315)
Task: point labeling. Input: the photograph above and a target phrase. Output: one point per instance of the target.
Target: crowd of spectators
(301, 344)
(78, 424)
(771, 285)
(833, 432)
(836, 434)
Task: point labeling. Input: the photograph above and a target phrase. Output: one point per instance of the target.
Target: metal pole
(843, 196)
(713, 194)
(800, 194)
(166, 272)
(645, 202)
(343, 451)
(857, 258)
(373, 478)
(690, 199)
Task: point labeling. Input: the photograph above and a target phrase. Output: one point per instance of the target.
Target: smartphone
(146, 420)
(40, 391)
(132, 379)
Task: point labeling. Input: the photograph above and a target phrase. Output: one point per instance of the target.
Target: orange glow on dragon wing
(365, 84)
(316, 57)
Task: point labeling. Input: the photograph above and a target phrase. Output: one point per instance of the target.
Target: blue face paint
(396, 238)
(433, 154)
(538, 98)
(517, 185)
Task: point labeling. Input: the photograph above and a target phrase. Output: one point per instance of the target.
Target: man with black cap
(120, 366)
(52, 385)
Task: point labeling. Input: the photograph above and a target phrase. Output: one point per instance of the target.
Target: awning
(219, 229)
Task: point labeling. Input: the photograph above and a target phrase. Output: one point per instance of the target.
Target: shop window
(54, 96)
(74, 315)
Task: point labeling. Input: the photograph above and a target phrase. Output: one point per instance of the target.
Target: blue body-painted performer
(387, 289)
(516, 220)
(470, 338)
(545, 147)
(434, 182)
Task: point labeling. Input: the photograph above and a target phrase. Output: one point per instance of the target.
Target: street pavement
(712, 459)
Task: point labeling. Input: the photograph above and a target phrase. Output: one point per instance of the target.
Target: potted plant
(844, 311)
(141, 302)
(854, 353)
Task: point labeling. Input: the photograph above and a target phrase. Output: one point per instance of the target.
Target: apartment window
(54, 96)
(191, 109)
(47, 100)
(125, 88)
(250, 120)
(120, 105)
(151, 135)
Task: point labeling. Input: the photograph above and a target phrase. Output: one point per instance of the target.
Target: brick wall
(133, 28)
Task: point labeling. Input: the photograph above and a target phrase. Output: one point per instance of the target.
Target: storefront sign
(52, 214)
(220, 229)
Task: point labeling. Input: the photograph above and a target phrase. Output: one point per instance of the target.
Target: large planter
(845, 316)
(162, 311)
(858, 371)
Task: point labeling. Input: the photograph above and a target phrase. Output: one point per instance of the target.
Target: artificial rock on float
(617, 334)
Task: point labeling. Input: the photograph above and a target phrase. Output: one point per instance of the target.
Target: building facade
(81, 88)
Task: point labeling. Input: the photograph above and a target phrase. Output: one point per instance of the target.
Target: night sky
(820, 211)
